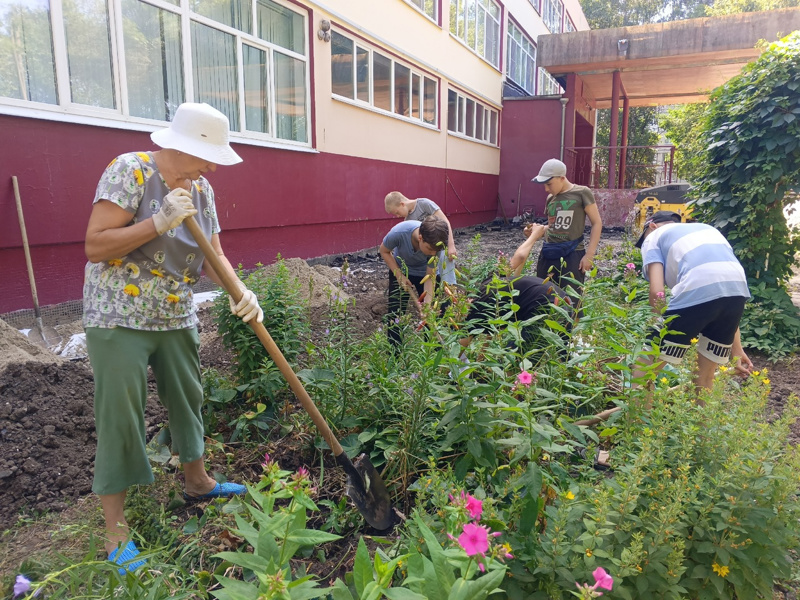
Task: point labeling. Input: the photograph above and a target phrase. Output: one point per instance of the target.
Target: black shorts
(713, 323)
(555, 270)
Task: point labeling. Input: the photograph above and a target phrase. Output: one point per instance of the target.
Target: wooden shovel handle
(231, 286)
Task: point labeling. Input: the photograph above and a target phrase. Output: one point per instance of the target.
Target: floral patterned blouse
(150, 288)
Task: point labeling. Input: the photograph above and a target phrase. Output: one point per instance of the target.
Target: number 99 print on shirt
(566, 215)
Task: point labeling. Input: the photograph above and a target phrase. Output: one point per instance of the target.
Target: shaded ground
(47, 437)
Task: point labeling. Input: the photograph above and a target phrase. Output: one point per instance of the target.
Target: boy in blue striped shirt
(709, 290)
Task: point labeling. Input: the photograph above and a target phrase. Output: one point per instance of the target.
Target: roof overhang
(666, 63)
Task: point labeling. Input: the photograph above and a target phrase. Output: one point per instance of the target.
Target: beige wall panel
(464, 155)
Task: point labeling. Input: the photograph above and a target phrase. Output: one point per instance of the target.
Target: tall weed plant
(285, 317)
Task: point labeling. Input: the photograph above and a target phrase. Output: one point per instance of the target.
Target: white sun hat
(551, 168)
(200, 130)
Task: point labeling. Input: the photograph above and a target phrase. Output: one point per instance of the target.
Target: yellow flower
(570, 496)
(764, 371)
(722, 571)
(664, 380)
(765, 381)
(139, 177)
(157, 272)
(694, 340)
(723, 369)
(115, 262)
(756, 373)
(143, 156)
(588, 552)
(173, 298)
(131, 290)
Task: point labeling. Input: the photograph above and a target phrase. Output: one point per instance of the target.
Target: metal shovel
(364, 485)
(43, 335)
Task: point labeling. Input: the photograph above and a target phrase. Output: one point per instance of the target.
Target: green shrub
(284, 317)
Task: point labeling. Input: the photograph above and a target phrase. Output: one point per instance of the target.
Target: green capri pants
(119, 359)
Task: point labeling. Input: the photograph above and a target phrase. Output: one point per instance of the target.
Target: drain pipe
(564, 102)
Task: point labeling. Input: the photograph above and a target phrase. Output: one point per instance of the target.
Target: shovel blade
(368, 492)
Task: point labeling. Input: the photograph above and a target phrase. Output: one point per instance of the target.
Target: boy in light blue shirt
(709, 290)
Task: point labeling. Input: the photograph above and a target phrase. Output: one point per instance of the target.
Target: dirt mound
(47, 437)
(316, 285)
(16, 348)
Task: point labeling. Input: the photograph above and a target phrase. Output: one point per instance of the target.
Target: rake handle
(231, 286)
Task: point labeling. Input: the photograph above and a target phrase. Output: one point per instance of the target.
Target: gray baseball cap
(551, 168)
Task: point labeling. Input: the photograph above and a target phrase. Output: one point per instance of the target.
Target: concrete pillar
(612, 139)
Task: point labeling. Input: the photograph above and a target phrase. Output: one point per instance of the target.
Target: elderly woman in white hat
(138, 309)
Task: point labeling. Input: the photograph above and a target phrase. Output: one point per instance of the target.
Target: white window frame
(552, 15)
(423, 75)
(528, 54)
(68, 111)
(460, 22)
(569, 26)
(462, 125)
(437, 8)
(548, 85)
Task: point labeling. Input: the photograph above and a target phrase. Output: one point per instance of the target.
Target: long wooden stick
(599, 417)
(28, 261)
(231, 286)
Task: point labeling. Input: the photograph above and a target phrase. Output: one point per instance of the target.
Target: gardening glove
(248, 307)
(175, 207)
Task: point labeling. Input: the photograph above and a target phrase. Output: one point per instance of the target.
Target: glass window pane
(470, 118)
(470, 36)
(290, 96)
(233, 13)
(27, 71)
(402, 91)
(89, 52)
(362, 74)
(461, 113)
(214, 70)
(341, 65)
(256, 84)
(479, 121)
(493, 132)
(454, 17)
(452, 110)
(415, 95)
(381, 81)
(153, 63)
(430, 101)
(279, 25)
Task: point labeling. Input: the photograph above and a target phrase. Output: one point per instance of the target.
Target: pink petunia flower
(630, 266)
(524, 378)
(603, 579)
(474, 539)
(474, 507)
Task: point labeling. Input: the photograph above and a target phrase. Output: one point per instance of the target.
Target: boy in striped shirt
(709, 290)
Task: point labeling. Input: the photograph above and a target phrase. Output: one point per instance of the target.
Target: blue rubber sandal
(128, 554)
(221, 490)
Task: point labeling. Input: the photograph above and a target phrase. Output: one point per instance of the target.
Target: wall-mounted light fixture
(622, 47)
(324, 32)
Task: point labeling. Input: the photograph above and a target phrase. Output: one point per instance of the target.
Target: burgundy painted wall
(296, 203)
(531, 135)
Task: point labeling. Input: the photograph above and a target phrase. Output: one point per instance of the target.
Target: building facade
(332, 105)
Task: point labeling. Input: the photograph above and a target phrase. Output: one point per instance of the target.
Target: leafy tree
(731, 7)
(681, 125)
(751, 160)
(642, 123)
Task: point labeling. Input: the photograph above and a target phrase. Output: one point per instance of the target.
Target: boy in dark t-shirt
(533, 295)
(568, 206)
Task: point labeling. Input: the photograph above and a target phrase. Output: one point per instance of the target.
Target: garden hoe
(364, 485)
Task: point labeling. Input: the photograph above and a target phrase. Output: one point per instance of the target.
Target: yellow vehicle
(651, 200)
